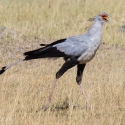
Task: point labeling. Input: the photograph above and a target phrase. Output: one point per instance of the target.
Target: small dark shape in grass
(60, 106)
(123, 28)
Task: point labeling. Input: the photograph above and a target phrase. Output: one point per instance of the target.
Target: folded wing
(70, 47)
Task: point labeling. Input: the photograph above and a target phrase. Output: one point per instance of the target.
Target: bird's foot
(45, 107)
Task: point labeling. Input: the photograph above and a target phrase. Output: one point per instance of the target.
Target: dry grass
(25, 87)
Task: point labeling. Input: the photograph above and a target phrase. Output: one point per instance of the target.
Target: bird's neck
(95, 29)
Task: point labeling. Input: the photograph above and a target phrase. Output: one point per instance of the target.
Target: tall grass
(58, 19)
(25, 87)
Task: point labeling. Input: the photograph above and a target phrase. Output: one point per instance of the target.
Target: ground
(24, 88)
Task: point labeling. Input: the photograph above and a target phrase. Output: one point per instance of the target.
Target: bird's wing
(56, 42)
(73, 46)
(70, 47)
(47, 51)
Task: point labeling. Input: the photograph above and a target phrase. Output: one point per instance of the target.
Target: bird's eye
(104, 17)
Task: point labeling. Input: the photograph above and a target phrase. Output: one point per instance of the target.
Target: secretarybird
(76, 50)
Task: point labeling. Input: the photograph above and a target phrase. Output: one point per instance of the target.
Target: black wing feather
(43, 44)
(47, 51)
(54, 43)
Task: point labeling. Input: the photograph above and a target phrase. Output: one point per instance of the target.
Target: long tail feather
(7, 67)
(45, 52)
(44, 44)
(37, 51)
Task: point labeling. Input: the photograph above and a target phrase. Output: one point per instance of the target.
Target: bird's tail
(38, 53)
(7, 67)
(45, 52)
(28, 56)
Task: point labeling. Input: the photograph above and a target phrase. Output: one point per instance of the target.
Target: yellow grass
(25, 87)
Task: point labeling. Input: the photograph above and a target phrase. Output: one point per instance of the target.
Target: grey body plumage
(84, 46)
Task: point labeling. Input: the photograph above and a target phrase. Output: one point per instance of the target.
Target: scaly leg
(85, 96)
(80, 69)
(50, 96)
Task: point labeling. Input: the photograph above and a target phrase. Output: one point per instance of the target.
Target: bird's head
(102, 17)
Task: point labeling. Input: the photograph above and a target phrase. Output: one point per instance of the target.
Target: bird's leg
(80, 69)
(67, 65)
(50, 96)
(81, 88)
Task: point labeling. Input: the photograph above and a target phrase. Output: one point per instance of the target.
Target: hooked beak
(107, 19)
